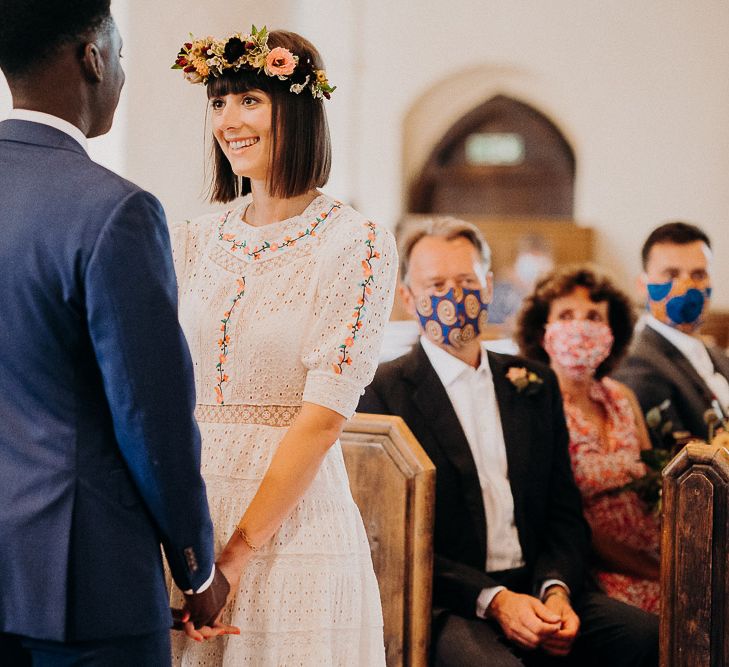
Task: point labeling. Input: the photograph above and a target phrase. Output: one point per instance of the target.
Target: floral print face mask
(578, 346)
(678, 303)
(454, 318)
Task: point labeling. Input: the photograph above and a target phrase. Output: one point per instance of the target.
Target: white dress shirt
(695, 351)
(52, 121)
(472, 394)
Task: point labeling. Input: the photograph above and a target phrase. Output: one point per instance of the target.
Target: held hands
(228, 569)
(530, 623)
(200, 619)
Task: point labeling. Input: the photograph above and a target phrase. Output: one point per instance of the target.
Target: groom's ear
(92, 62)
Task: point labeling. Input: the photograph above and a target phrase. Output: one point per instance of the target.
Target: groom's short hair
(31, 31)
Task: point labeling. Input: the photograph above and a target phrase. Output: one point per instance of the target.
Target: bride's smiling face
(242, 128)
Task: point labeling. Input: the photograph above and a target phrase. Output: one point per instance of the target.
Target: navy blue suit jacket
(99, 450)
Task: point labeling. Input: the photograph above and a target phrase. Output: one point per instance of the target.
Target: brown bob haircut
(561, 282)
(301, 153)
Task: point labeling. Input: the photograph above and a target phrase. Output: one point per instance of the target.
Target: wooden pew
(694, 558)
(393, 484)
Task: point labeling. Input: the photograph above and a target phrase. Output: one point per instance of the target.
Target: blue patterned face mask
(678, 303)
(454, 318)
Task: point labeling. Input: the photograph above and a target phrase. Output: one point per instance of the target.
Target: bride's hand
(232, 561)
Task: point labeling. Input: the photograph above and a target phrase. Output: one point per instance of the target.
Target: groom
(99, 451)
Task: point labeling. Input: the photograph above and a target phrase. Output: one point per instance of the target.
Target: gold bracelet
(245, 538)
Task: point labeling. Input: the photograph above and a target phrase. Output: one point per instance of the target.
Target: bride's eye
(216, 103)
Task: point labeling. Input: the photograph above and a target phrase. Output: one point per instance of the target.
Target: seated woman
(580, 323)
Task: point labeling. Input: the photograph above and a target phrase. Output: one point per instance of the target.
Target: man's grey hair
(412, 230)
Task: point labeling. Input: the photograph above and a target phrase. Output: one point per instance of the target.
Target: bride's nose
(230, 117)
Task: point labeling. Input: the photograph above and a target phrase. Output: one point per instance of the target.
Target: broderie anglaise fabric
(275, 316)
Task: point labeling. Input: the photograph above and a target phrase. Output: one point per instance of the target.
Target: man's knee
(618, 633)
(465, 642)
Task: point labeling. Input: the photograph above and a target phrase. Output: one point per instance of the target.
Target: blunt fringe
(532, 317)
(301, 150)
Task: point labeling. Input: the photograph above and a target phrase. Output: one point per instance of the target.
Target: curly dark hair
(32, 30)
(301, 146)
(534, 312)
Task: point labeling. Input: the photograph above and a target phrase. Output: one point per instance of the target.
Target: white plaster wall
(641, 90)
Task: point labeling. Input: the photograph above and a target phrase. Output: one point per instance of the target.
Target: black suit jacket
(656, 370)
(548, 512)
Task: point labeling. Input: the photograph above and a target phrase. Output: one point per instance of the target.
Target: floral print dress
(274, 316)
(601, 470)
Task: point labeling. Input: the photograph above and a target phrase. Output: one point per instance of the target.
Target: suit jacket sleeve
(131, 307)
(567, 540)
(457, 585)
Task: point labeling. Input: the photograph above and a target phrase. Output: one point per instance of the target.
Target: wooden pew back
(694, 582)
(393, 484)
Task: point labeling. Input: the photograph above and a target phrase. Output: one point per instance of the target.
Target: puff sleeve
(355, 291)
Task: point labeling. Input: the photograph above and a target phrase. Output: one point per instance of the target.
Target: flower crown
(200, 59)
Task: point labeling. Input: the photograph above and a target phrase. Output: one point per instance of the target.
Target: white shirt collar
(687, 344)
(448, 367)
(52, 121)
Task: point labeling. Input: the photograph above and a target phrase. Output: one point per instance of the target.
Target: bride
(283, 299)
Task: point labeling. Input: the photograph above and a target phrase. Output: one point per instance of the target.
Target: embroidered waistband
(267, 415)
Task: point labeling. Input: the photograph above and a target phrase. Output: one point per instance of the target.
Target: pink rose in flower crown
(280, 62)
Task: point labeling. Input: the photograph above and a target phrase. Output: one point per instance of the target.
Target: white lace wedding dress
(274, 316)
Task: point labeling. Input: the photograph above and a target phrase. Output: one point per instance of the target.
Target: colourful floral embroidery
(257, 251)
(224, 341)
(354, 327)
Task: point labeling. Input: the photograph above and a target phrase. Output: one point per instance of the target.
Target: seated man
(668, 364)
(510, 539)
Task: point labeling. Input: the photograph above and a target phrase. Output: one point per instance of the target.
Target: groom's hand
(205, 607)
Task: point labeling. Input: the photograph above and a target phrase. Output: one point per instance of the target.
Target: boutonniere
(526, 382)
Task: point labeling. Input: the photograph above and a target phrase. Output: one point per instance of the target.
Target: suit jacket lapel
(684, 368)
(431, 400)
(720, 361)
(516, 427)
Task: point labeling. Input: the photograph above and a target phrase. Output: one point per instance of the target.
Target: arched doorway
(504, 158)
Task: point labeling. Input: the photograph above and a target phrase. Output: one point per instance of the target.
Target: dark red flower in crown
(234, 49)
